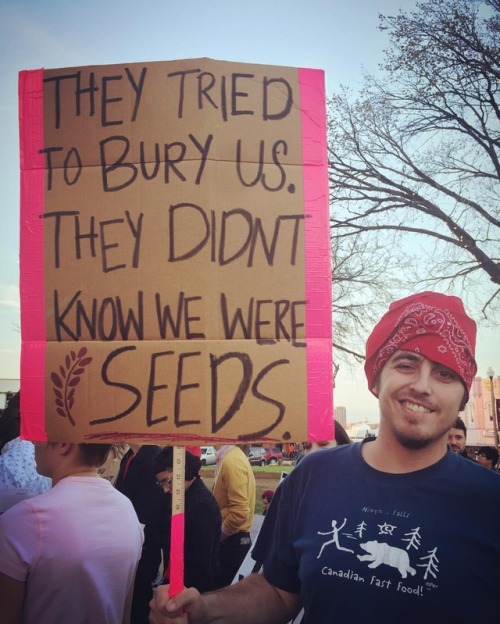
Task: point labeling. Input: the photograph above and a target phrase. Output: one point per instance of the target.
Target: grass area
(276, 469)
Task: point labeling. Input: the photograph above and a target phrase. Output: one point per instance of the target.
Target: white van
(208, 455)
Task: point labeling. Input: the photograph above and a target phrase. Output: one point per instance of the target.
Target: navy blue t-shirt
(361, 545)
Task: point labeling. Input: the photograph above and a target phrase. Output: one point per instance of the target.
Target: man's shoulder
(23, 510)
(235, 456)
(476, 477)
(148, 452)
(338, 460)
(335, 455)
(201, 496)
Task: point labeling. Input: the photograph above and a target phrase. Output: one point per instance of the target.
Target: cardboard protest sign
(175, 262)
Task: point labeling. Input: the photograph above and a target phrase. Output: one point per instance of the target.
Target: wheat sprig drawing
(66, 381)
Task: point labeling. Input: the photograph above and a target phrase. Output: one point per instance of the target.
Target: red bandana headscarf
(433, 325)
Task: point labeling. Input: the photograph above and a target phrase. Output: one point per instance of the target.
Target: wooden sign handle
(177, 527)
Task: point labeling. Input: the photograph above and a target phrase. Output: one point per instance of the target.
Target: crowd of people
(69, 484)
(385, 529)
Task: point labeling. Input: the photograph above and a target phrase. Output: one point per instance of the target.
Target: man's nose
(422, 380)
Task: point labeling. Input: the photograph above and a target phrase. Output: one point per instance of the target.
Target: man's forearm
(251, 600)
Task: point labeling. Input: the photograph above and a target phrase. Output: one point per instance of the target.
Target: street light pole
(491, 374)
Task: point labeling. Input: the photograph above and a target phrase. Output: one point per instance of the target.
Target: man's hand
(164, 609)
(251, 600)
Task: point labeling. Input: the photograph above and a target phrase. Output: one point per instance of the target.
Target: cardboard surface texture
(175, 265)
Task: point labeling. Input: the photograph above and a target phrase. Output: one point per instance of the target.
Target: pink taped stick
(318, 258)
(177, 532)
(32, 288)
(177, 554)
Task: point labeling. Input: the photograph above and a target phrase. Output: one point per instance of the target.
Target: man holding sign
(387, 529)
(175, 257)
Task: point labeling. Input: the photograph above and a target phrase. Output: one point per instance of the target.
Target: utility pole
(491, 374)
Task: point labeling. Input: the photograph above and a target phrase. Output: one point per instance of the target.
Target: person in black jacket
(202, 521)
(136, 481)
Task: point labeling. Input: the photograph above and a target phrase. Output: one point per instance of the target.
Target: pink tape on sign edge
(177, 554)
(32, 288)
(317, 252)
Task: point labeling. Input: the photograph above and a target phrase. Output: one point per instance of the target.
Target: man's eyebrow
(406, 355)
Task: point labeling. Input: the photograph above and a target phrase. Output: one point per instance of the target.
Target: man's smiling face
(419, 399)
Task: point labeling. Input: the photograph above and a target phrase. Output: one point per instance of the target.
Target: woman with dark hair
(341, 438)
(202, 521)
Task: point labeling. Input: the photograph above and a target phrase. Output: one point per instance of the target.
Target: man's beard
(414, 443)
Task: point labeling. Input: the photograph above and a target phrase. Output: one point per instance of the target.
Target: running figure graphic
(335, 537)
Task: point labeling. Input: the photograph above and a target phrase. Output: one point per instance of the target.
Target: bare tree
(363, 283)
(414, 160)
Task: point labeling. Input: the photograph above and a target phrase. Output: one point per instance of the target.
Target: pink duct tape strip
(177, 554)
(318, 256)
(32, 291)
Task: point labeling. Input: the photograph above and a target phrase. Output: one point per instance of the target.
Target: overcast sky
(339, 36)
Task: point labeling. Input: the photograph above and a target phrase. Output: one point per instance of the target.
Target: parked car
(273, 455)
(208, 456)
(262, 456)
(257, 456)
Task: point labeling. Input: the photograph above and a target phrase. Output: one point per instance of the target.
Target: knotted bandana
(433, 325)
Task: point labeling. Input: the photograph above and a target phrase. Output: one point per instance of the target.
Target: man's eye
(404, 367)
(446, 374)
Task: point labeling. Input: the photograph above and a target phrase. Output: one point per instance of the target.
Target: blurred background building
(341, 415)
(482, 410)
(7, 388)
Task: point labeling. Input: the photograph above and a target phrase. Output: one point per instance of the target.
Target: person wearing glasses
(488, 458)
(203, 521)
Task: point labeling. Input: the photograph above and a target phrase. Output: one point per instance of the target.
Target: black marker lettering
(206, 82)
(235, 94)
(58, 217)
(205, 230)
(116, 384)
(287, 107)
(239, 396)
(182, 74)
(58, 80)
(105, 320)
(48, 162)
(137, 87)
(91, 235)
(153, 387)
(106, 246)
(181, 387)
(91, 90)
(116, 163)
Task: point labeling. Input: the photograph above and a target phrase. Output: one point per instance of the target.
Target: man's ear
(65, 448)
(375, 390)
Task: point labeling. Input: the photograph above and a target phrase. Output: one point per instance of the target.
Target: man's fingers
(165, 609)
(185, 598)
